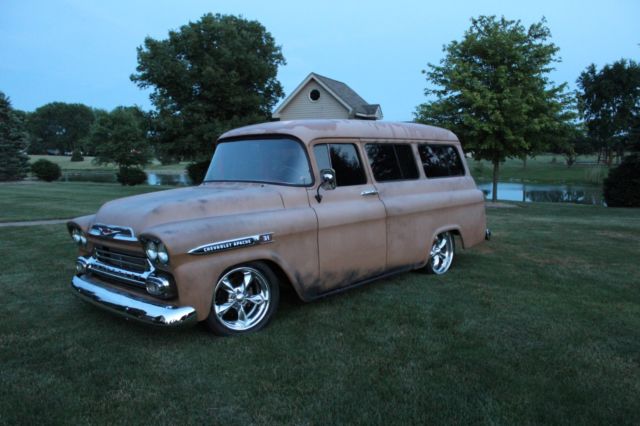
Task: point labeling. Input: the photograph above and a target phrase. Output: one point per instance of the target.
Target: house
(322, 97)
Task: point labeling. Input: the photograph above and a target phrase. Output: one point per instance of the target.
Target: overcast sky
(84, 51)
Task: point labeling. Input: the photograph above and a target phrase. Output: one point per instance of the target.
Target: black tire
(442, 254)
(250, 291)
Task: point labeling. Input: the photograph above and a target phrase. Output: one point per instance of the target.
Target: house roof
(343, 93)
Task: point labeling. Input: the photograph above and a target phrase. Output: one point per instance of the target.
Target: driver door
(351, 220)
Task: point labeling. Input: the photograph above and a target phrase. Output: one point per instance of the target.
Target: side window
(391, 161)
(344, 159)
(440, 160)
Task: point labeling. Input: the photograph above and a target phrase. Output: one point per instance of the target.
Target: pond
(153, 178)
(548, 193)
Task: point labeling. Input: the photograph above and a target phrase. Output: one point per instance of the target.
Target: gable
(301, 105)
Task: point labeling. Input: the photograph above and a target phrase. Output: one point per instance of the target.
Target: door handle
(368, 192)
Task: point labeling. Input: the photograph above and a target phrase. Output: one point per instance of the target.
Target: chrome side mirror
(328, 179)
(327, 182)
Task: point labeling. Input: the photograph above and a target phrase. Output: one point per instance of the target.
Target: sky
(83, 51)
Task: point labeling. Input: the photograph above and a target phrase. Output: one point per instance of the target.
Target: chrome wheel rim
(441, 253)
(241, 298)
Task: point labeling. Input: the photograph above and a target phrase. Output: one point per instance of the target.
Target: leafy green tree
(494, 91)
(609, 102)
(59, 126)
(211, 75)
(14, 163)
(120, 137)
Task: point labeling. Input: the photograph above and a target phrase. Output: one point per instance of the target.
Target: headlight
(78, 236)
(163, 255)
(151, 249)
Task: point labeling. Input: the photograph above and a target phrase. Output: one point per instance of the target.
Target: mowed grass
(29, 200)
(546, 168)
(541, 325)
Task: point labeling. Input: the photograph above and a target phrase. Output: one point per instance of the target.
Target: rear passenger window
(440, 160)
(391, 161)
(344, 159)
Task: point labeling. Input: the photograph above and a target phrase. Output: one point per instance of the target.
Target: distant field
(66, 164)
(546, 168)
(541, 325)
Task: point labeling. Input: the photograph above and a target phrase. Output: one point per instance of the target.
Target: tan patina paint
(320, 247)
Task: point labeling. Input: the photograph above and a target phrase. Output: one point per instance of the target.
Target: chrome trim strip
(97, 230)
(236, 243)
(131, 306)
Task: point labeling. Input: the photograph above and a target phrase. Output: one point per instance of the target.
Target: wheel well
(282, 276)
(456, 233)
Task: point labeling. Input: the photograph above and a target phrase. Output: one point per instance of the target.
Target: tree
(210, 76)
(120, 137)
(494, 92)
(609, 102)
(14, 163)
(88, 147)
(59, 126)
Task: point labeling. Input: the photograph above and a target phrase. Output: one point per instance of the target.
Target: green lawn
(66, 164)
(545, 168)
(541, 325)
(59, 200)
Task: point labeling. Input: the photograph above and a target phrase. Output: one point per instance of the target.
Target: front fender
(293, 247)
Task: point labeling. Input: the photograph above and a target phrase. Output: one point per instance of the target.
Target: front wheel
(244, 300)
(442, 252)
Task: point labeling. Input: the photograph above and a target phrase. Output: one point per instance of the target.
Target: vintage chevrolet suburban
(320, 205)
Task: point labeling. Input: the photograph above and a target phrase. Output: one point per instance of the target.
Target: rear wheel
(442, 253)
(244, 300)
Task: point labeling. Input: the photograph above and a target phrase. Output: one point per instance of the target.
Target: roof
(343, 93)
(309, 130)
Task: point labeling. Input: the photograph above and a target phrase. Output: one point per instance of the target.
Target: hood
(141, 212)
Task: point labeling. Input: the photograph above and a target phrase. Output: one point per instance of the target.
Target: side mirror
(328, 179)
(328, 182)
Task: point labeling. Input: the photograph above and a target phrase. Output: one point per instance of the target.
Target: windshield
(280, 161)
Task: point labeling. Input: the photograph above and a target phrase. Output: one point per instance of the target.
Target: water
(153, 178)
(548, 193)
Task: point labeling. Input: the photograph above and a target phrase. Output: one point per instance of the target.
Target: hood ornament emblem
(112, 231)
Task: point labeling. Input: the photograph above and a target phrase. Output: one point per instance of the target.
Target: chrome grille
(129, 261)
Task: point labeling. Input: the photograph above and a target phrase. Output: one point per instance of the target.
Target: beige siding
(302, 107)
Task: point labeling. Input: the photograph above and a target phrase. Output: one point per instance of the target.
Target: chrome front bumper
(133, 307)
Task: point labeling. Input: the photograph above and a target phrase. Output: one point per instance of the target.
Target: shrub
(197, 171)
(77, 155)
(622, 187)
(46, 170)
(131, 176)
